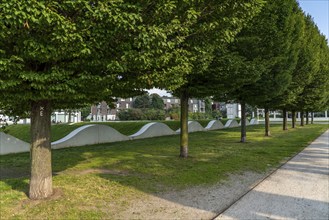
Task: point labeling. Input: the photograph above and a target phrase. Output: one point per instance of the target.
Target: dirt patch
(202, 202)
(57, 194)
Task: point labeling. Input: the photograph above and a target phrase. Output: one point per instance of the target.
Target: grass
(140, 167)
(59, 131)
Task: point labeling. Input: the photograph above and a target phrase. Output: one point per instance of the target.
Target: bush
(139, 114)
(131, 114)
(154, 114)
(200, 116)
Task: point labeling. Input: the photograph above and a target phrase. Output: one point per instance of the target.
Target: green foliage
(208, 105)
(156, 102)
(219, 22)
(174, 113)
(268, 49)
(85, 112)
(200, 115)
(315, 95)
(131, 114)
(142, 102)
(153, 101)
(76, 52)
(141, 114)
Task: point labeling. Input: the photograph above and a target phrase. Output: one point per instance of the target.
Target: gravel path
(193, 203)
(298, 190)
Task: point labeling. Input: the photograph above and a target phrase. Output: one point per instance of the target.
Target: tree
(265, 52)
(244, 72)
(67, 54)
(156, 102)
(142, 102)
(217, 24)
(307, 64)
(315, 95)
(274, 34)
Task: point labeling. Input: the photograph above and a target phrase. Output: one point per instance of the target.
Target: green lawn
(131, 169)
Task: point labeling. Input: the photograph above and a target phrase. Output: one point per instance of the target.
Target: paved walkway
(298, 190)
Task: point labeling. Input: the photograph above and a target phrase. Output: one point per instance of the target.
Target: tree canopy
(64, 54)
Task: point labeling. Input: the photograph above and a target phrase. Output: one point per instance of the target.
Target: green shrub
(141, 114)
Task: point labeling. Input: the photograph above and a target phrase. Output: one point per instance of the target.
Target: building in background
(65, 116)
(233, 110)
(58, 116)
(103, 112)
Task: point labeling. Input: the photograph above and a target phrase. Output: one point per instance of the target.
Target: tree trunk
(312, 117)
(284, 114)
(41, 173)
(184, 125)
(243, 123)
(307, 119)
(293, 119)
(267, 122)
(70, 116)
(302, 118)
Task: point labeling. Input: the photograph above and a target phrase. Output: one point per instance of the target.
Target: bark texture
(243, 123)
(184, 125)
(267, 122)
(302, 118)
(307, 118)
(284, 115)
(293, 119)
(40, 153)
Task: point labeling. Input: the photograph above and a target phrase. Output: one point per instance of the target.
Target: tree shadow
(15, 168)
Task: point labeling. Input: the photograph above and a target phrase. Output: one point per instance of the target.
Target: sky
(318, 9)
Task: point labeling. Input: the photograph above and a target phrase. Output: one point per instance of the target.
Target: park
(266, 54)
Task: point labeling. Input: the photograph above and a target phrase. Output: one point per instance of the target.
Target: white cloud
(161, 92)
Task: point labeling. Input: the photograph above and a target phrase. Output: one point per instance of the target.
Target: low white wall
(89, 135)
(153, 129)
(247, 122)
(10, 144)
(214, 125)
(96, 134)
(254, 121)
(193, 126)
(231, 124)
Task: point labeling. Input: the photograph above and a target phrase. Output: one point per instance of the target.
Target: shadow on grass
(15, 168)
